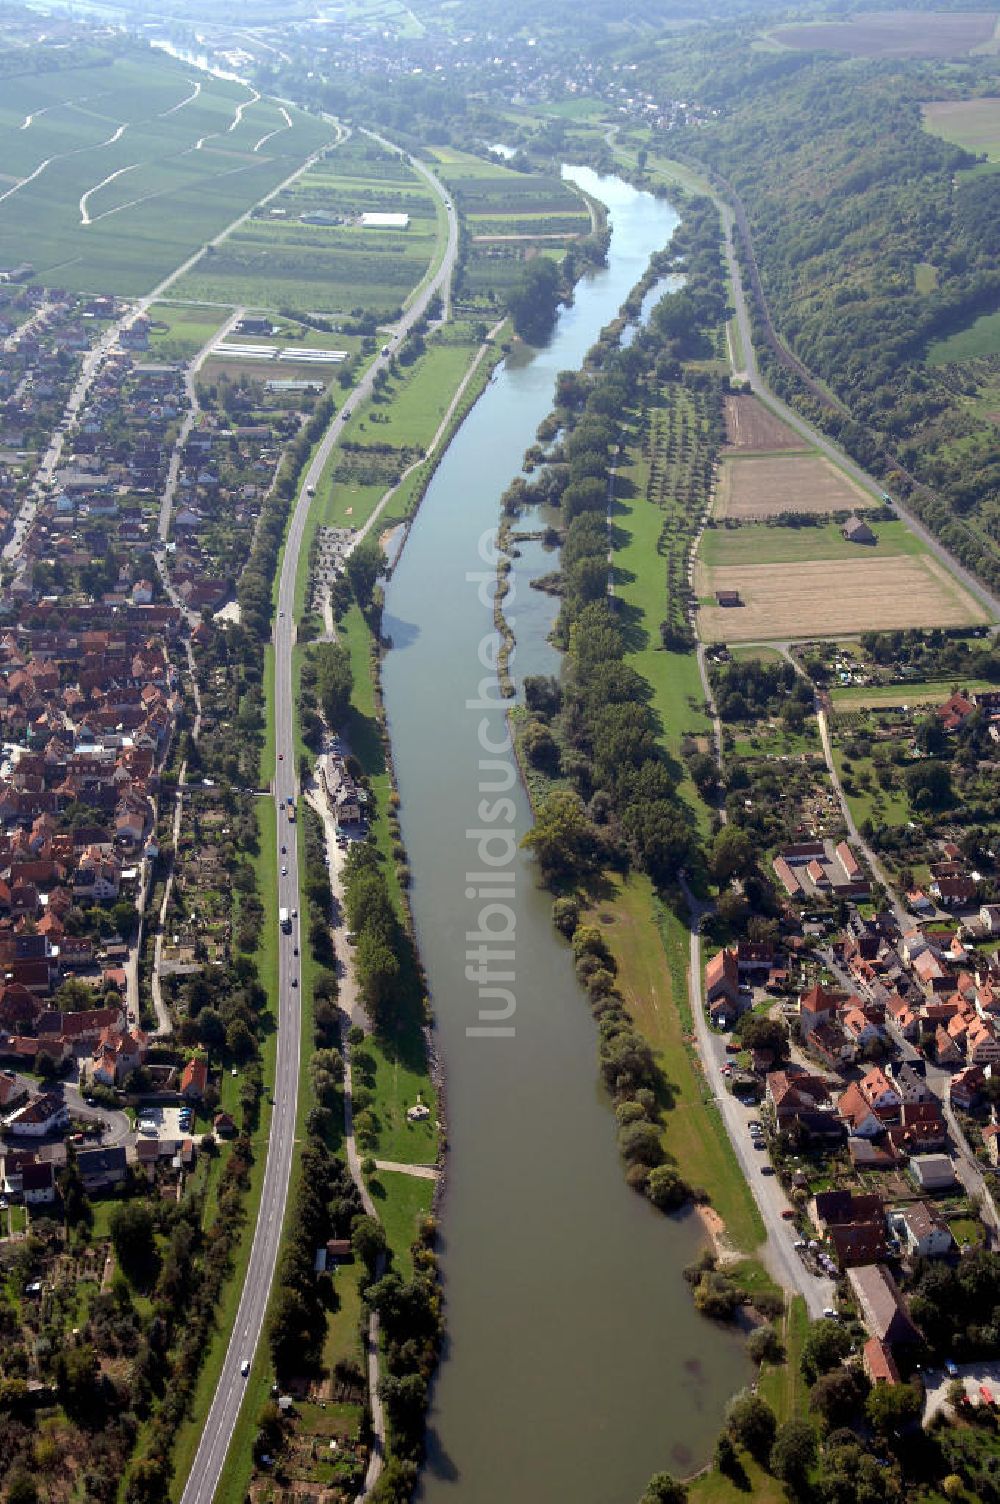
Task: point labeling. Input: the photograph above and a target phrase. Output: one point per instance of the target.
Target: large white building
(385, 221)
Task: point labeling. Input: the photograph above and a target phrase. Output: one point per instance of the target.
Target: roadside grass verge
(268, 748)
(650, 945)
(782, 1384)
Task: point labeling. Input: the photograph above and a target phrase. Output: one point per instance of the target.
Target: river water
(575, 1365)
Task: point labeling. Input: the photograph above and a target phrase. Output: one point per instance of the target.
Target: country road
(221, 1420)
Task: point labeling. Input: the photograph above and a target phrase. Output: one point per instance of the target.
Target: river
(575, 1365)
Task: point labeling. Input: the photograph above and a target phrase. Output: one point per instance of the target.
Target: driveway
(973, 1377)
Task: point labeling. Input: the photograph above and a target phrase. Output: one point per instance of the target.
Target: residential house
(854, 1225)
(818, 1005)
(832, 1044)
(722, 980)
(194, 1080)
(857, 1114)
(878, 1362)
(921, 1230)
(800, 1098)
(966, 1087)
(41, 1115)
(882, 1307)
(880, 1093)
(954, 892)
(921, 1128)
(102, 1169)
(38, 1183)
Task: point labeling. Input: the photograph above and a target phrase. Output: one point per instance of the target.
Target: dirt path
(421, 1172)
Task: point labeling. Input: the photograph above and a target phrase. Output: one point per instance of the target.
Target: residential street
(779, 1252)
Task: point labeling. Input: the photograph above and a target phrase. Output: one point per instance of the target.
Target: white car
(245, 1367)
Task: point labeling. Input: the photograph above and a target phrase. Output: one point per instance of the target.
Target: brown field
(755, 489)
(832, 597)
(894, 33)
(750, 427)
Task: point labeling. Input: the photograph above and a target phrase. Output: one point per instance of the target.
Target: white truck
(284, 919)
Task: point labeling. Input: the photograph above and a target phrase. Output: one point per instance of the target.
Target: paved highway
(220, 1424)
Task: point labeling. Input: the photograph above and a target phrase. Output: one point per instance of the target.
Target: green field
(980, 338)
(113, 176)
(756, 543)
(278, 260)
(916, 692)
(972, 123)
(188, 329)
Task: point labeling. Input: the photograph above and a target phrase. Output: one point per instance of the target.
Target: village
(862, 1038)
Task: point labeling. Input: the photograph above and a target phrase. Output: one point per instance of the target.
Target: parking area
(164, 1123)
(981, 1382)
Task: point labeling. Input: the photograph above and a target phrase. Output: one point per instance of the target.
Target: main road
(221, 1420)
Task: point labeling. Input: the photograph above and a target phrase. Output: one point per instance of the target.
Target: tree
(838, 1396)
(825, 1347)
(759, 1033)
(667, 1189)
(22, 1489)
(368, 1241)
(765, 1346)
(751, 1423)
(76, 1207)
(77, 1379)
(893, 1408)
(732, 854)
(533, 301)
(562, 837)
(928, 785)
(794, 1453)
(663, 1489)
(133, 1241)
(363, 568)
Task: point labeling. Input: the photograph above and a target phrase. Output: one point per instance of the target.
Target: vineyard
(680, 441)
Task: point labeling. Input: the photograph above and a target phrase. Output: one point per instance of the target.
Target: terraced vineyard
(114, 175)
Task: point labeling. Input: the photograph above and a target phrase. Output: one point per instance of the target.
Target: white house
(921, 1231)
(40, 1116)
(38, 1184)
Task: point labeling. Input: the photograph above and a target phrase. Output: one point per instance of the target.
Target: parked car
(951, 1368)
